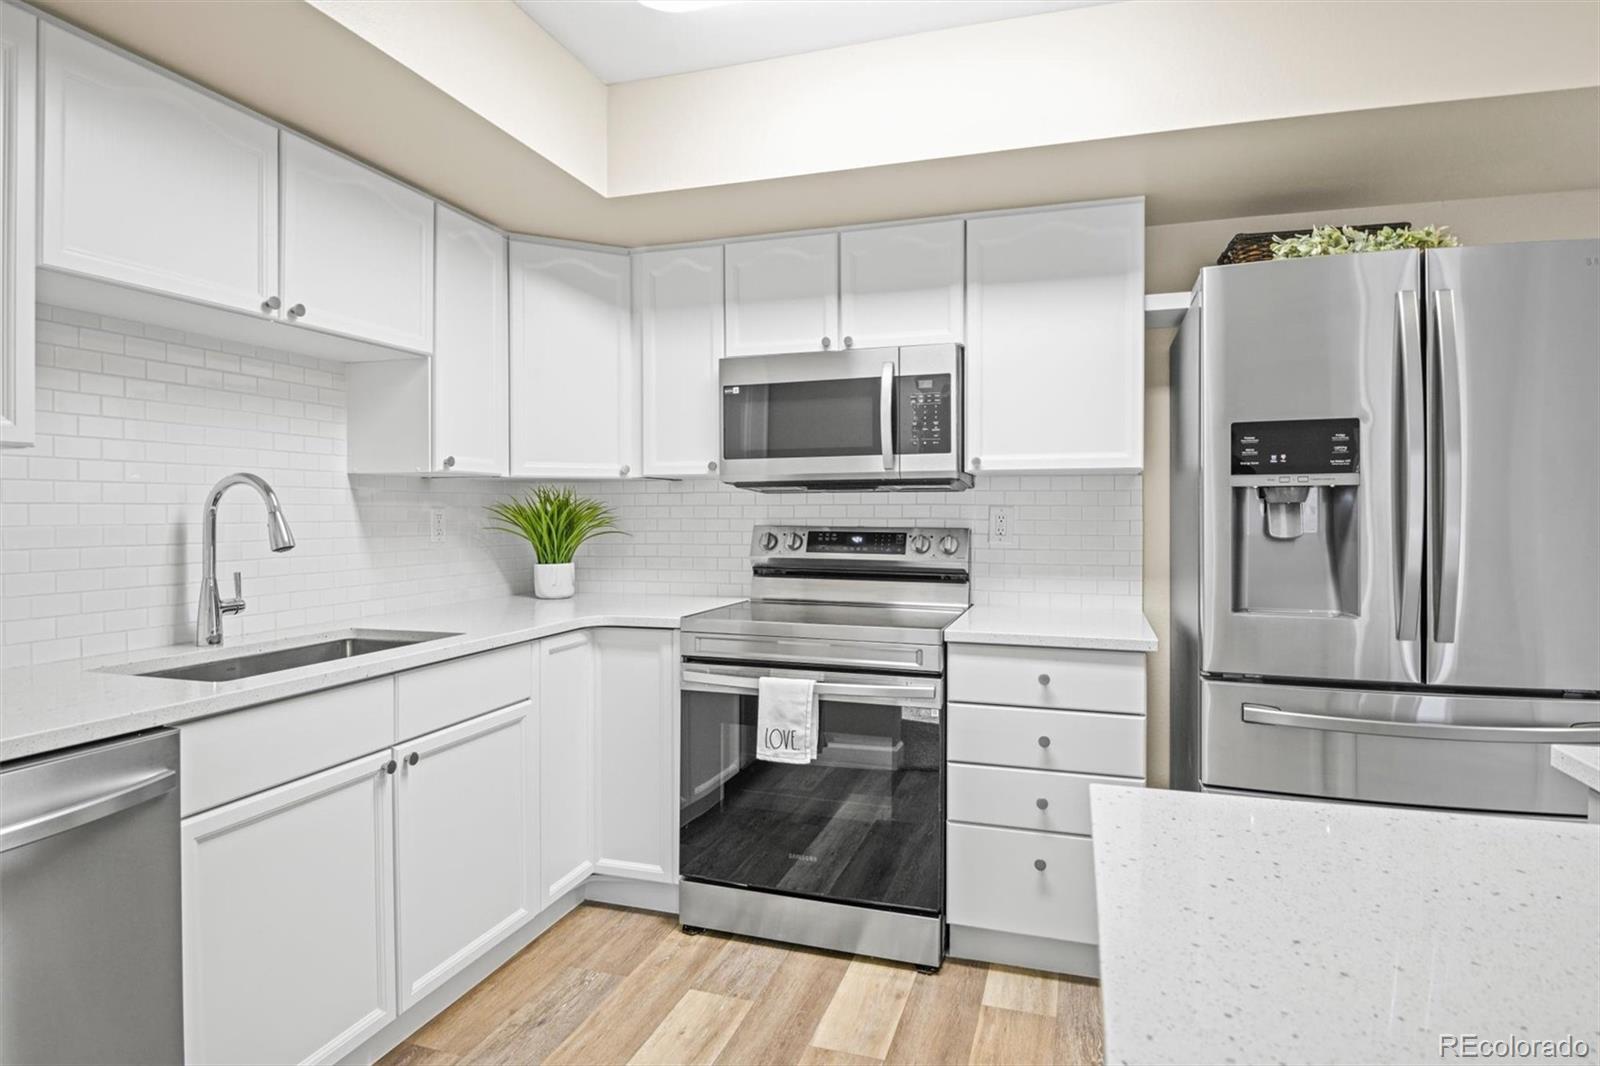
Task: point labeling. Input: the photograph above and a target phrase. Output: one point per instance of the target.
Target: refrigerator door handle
(1410, 481)
(1447, 412)
(1262, 714)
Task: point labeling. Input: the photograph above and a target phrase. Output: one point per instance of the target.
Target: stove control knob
(794, 542)
(769, 541)
(948, 544)
(921, 543)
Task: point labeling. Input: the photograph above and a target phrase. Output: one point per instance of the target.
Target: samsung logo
(797, 857)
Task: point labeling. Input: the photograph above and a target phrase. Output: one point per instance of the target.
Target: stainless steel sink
(255, 663)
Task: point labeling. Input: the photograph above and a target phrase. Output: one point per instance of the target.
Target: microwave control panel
(922, 414)
(1306, 451)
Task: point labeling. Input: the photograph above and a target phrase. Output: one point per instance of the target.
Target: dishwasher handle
(89, 810)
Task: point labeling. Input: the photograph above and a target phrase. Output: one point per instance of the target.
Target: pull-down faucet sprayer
(208, 619)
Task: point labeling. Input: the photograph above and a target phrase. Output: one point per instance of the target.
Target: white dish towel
(786, 719)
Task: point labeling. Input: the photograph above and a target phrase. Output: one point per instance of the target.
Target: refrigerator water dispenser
(1295, 504)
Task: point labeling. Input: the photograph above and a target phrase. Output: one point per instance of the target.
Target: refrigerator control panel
(1306, 451)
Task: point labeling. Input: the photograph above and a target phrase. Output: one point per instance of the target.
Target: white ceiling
(623, 40)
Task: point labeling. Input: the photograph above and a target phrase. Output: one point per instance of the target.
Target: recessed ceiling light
(682, 7)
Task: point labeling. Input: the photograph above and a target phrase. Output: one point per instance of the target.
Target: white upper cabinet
(902, 285)
(18, 141)
(678, 305)
(574, 373)
(357, 250)
(151, 183)
(783, 295)
(470, 357)
(1055, 339)
(467, 835)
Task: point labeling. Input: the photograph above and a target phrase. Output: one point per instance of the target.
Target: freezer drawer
(1483, 753)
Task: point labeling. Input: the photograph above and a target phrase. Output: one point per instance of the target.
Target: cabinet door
(470, 354)
(288, 919)
(678, 301)
(357, 250)
(566, 762)
(574, 375)
(18, 137)
(635, 772)
(1055, 340)
(783, 295)
(466, 825)
(902, 285)
(148, 182)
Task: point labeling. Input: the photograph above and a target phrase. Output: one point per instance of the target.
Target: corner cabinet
(783, 295)
(679, 322)
(574, 381)
(1055, 340)
(357, 250)
(19, 32)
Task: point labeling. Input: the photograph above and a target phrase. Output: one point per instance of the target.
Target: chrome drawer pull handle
(1041, 803)
(1044, 742)
(1038, 864)
(1044, 679)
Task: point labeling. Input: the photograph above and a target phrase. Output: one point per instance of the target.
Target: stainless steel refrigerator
(1386, 526)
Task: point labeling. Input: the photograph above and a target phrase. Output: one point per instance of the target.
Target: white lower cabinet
(566, 762)
(636, 802)
(1014, 881)
(288, 919)
(467, 856)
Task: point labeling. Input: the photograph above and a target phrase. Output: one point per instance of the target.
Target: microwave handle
(886, 415)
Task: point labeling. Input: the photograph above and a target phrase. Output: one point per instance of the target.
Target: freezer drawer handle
(91, 810)
(1261, 714)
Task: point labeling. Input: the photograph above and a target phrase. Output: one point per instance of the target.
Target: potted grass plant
(556, 522)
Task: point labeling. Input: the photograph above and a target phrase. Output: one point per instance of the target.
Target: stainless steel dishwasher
(90, 926)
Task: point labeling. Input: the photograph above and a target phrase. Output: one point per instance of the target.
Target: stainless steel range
(846, 851)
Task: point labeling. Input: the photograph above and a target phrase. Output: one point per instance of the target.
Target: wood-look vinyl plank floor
(610, 985)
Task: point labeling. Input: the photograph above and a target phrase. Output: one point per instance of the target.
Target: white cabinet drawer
(1024, 799)
(1067, 678)
(436, 696)
(995, 882)
(1080, 742)
(235, 754)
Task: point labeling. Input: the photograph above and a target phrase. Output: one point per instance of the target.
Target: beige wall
(1174, 256)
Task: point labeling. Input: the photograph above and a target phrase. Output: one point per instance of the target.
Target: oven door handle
(825, 689)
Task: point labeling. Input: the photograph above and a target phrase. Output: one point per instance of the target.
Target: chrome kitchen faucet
(208, 620)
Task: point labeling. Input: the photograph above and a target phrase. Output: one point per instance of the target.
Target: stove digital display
(865, 541)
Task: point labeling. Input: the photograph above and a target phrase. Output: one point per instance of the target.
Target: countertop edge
(1580, 762)
(1033, 639)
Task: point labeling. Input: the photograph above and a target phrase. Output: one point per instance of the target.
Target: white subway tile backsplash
(99, 521)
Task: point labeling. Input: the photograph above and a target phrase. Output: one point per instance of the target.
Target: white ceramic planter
(554, 581)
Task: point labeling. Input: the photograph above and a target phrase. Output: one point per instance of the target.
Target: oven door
(812, 416)
(862, 824)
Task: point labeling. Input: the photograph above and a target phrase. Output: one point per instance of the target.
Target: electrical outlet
(436, 526)
(1001, 521)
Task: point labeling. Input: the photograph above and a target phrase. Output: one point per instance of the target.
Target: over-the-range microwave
(865, 418)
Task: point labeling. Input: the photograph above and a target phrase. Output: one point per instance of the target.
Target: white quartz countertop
(1581, 761)
(1102, 628)
(43, 708)
(1249, 930)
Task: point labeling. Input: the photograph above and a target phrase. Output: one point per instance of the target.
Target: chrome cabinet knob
(1041, 803)
(769, 541)
(849, 342)
(1039, 864)
(413, 759)
(1044, 742)
(297, 311)
(624, 470)
(390, 767)
(271, 303)
(948, 544)
(1044, 679)
(712, 466)
(921, 543)
(449, 461)
(794, 542)
(826, 343)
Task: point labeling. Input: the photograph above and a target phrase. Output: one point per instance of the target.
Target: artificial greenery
(556, 521)
(1344, 240)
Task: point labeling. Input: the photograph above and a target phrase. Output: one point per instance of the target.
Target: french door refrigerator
(1386, 526)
